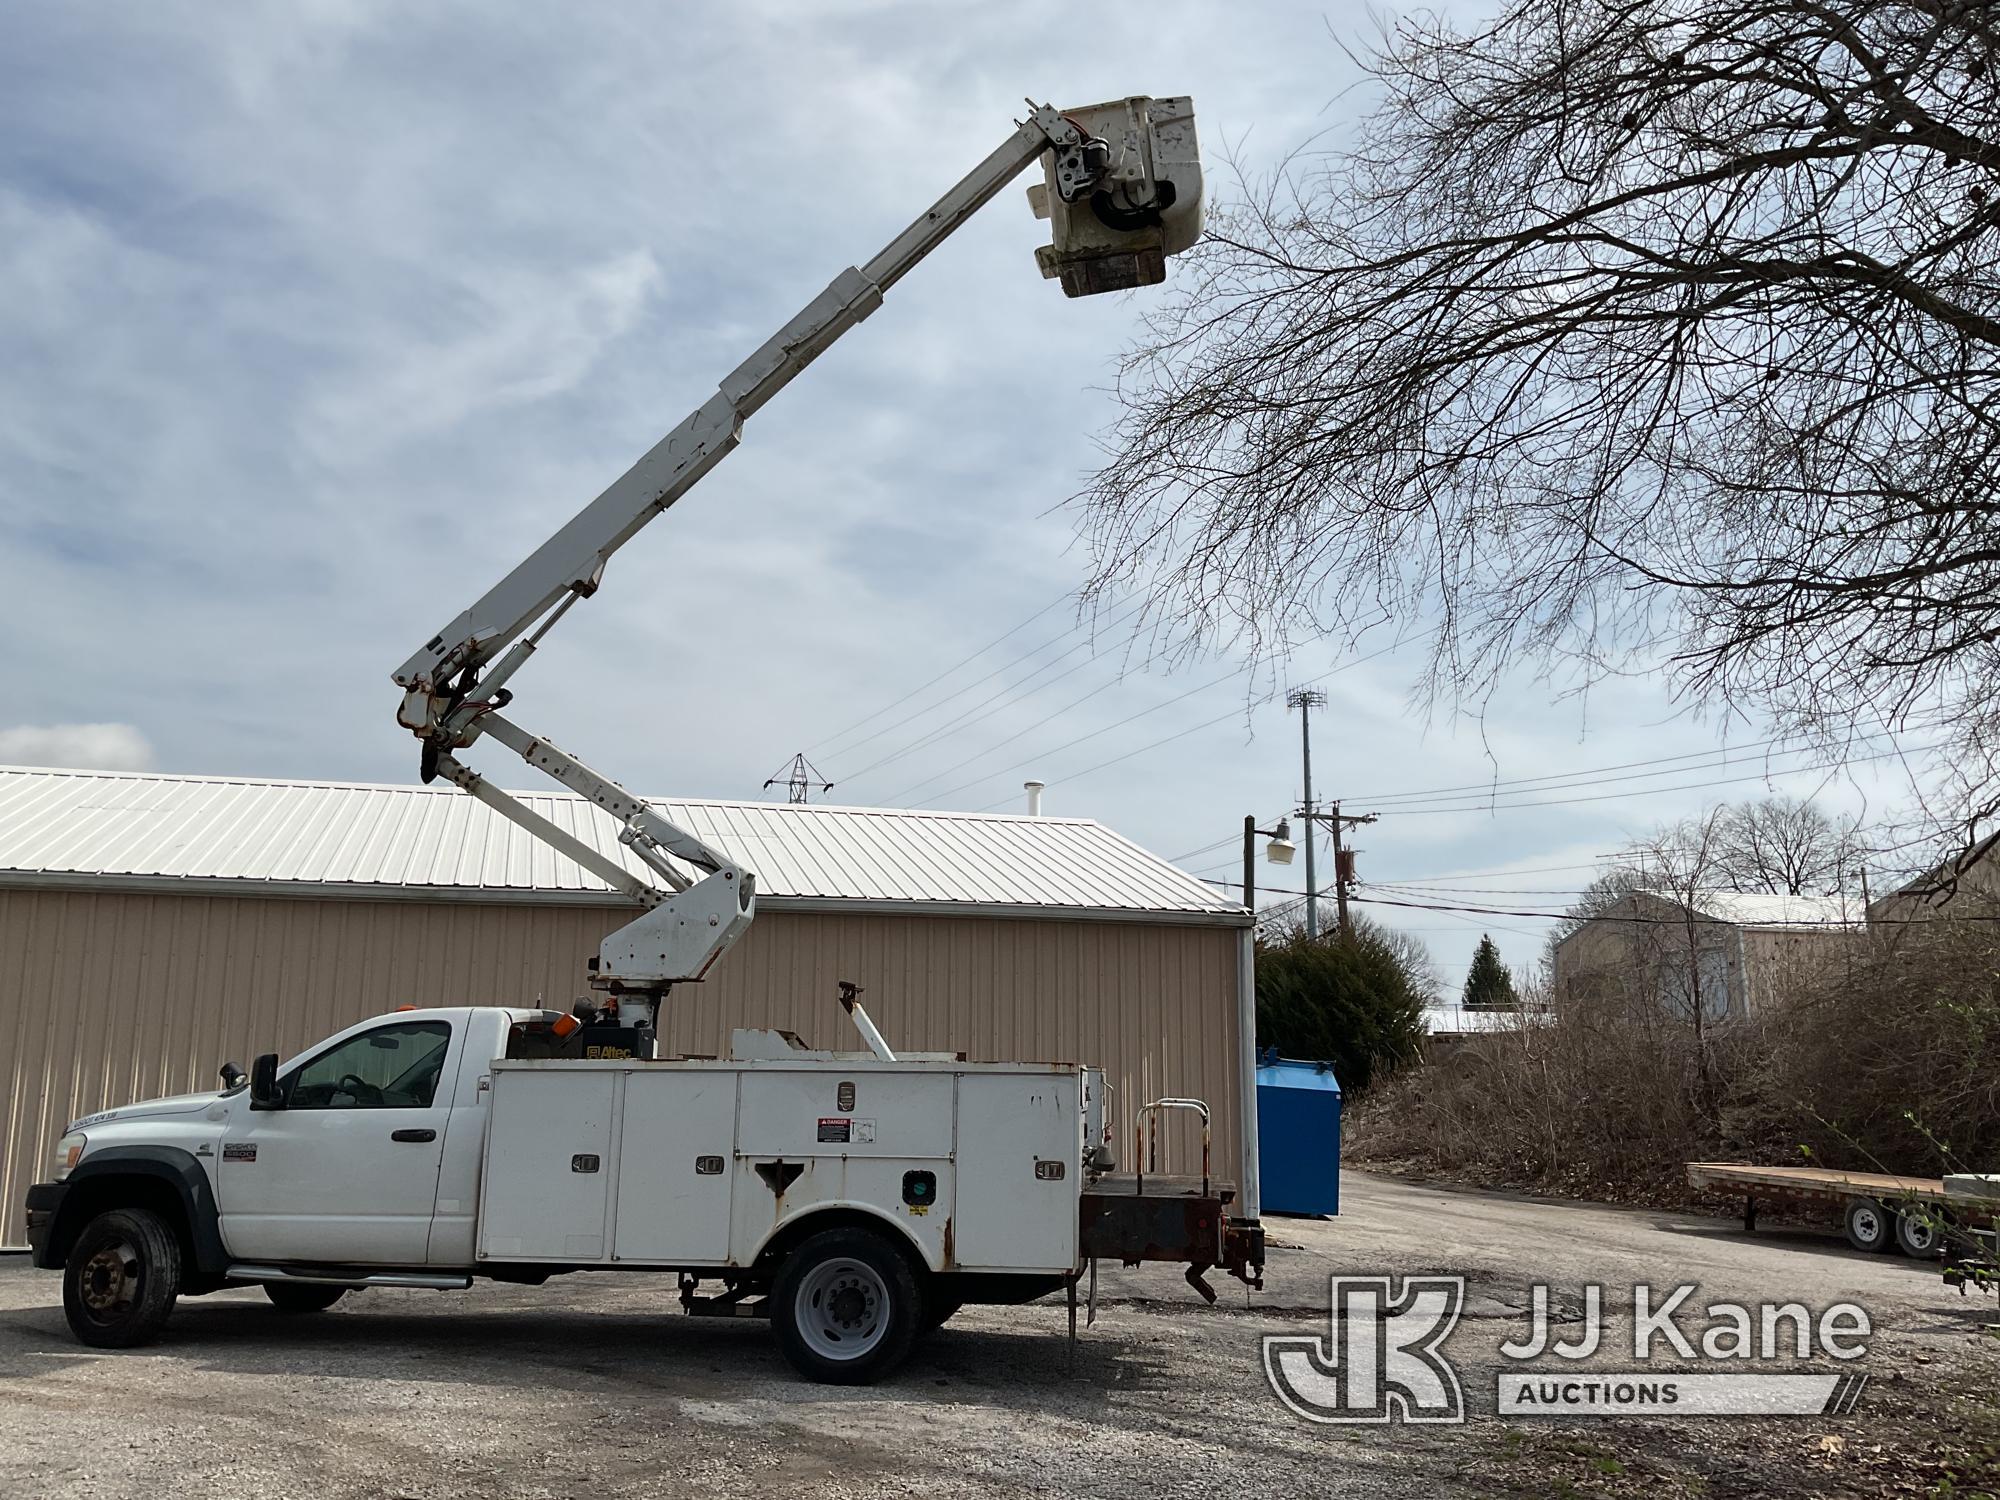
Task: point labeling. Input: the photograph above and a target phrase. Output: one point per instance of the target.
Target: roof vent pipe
(1034, 790)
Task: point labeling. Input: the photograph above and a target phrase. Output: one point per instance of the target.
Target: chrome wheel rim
(110, 1281)
(842, 1309)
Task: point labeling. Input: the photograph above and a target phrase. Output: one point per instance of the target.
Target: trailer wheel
(846, 1306)
(121, 1279)
(306, 1297)
(1919, 1232)
(1870, 1226)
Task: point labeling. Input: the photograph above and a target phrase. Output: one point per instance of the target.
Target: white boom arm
(1126, 182)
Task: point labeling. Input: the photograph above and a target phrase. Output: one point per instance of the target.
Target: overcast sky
(316, 317)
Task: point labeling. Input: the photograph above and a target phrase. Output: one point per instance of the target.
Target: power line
(920, 687)
(1689, 786)
(972, 715)
(932, 736)
(986, 776)
(1483, 874)
(1574, 780)
(1559, 916)
(1475, 890)
(1206, 723)
(1204, 849)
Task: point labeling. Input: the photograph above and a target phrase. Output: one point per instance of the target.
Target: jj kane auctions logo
(1383, 1358)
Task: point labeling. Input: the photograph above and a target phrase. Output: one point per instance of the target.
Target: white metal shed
(152, 926)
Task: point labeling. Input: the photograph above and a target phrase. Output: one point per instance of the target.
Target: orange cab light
(405, 1007)
(562, 1026)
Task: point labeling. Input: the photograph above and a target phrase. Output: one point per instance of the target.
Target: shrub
(1355, 998)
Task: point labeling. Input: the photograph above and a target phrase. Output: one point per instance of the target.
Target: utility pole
(799, 778)
(1343, 859)
(1305, 700)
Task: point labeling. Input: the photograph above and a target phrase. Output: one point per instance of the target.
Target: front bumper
(45, 1201)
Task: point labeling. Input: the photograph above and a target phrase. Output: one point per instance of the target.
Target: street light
(1279, 852)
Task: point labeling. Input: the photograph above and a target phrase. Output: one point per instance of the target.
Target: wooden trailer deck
(1878, 1210)
(1815, 1182)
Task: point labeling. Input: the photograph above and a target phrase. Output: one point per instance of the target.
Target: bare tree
(1788, 848)
(1668, 327)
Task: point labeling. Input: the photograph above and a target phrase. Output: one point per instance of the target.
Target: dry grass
(1891, 1063)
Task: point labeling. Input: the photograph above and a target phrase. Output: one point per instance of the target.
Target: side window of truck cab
(390, 1067)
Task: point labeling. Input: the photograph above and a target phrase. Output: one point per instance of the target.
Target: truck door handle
(413, 1135)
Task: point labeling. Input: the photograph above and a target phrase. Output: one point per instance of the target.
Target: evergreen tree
(1488, 984)
(1355, 999)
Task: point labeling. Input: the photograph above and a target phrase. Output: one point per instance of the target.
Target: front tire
(847, 1307)
(121, 1279)
(1870, 1226)
(302, 1297)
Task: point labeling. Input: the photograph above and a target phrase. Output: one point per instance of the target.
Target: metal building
(152, 927)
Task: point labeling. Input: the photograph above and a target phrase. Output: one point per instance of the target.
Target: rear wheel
(846, 1307)
(1870, 1226)
(302, 1297)
(121, 1279)
(1919, 1232)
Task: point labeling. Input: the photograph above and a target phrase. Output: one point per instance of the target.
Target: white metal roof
(1761, 909)
(1456, 1020)
(306, 838)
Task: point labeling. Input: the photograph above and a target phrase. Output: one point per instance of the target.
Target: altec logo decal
(1381, 1362)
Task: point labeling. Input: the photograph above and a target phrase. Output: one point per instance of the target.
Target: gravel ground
(594, 1385)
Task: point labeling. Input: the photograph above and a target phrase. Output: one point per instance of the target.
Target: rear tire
(846, 1307)
(1870, 1226)
(121, 1279)
(1919, 1232)
(302, 1297)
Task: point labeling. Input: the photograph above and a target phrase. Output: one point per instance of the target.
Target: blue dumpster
(1298, 1135)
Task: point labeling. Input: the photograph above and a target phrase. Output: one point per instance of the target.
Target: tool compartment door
(549, 1165)
(1019, 1143)
(676, 1167)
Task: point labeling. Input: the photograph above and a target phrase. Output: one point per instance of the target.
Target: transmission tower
(799, 778)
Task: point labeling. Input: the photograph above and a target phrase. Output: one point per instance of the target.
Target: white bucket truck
(855, 1199)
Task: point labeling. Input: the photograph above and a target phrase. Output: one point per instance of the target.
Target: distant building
(1969, 878)
(1452, 1022)
(1728, 951)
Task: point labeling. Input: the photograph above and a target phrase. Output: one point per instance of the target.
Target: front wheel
(121, 1279)
(302, 1297)
(846, 1307)
(1870, 1226)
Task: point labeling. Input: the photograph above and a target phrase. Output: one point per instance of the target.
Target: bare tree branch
(1627, 331)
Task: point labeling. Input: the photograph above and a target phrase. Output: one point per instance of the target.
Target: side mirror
(264, 1090)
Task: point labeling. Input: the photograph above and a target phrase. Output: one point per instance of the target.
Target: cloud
(83, 747)
(523, 338)
(316, 319)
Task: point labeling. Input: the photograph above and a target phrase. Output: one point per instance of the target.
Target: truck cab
(373, 1158)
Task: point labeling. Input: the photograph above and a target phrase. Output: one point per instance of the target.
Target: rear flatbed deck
(1878, 1208)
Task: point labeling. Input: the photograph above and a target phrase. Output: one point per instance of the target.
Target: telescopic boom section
(1122, 191)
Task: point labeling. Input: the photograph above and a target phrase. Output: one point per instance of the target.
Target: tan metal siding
(110, 997)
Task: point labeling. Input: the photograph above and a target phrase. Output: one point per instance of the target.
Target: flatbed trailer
(1878, 1210)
